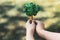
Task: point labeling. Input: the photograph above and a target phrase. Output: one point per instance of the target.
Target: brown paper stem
(31, 18)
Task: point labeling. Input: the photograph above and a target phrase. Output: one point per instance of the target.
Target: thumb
(39, 24)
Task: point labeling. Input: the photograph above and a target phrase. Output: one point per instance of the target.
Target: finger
(28, 22)
(40, 23)
(33, 22)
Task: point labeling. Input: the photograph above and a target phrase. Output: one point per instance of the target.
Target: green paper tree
(32, 9)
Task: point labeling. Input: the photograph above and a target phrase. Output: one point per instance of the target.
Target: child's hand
(46, 34)
(30, 27)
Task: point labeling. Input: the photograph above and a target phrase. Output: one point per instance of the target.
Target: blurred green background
(13, 18)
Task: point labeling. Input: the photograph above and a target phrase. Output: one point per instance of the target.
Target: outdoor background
(13, 18)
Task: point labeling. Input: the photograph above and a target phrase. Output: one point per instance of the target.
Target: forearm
(29, 36)
(45, 34)
(48, 35)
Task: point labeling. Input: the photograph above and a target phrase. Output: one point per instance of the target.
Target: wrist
(29, 33)
(29, 36)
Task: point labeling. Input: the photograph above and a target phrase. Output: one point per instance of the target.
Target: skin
(30, 31)
(40, 31)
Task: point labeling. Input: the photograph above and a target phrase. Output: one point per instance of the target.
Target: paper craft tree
(31, 9)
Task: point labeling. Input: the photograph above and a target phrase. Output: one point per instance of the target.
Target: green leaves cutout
(31, 9)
